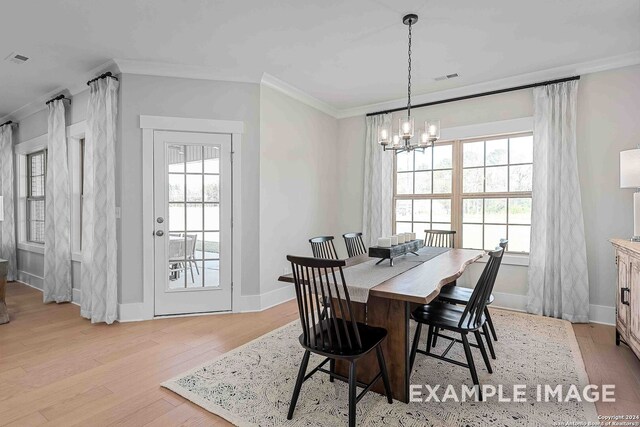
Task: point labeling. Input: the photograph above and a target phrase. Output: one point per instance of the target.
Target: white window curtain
(558, 278)
(7, 225)
(378, 183)
(99, 246)
(57, 245)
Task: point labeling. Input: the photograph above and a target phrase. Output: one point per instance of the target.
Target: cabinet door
(622, 310)
(633, 307)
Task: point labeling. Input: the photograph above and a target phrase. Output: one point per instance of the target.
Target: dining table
(389, 304)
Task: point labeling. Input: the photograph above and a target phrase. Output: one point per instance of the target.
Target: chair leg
(435, 337)
(472, 366)
(196, 264)
(299, 380)
(485, 329)
(490, 322)
(414, 346)
(385, 376)
(191, 270)
(483, 351)
(332, 368)
(352, 394)
(430, 338)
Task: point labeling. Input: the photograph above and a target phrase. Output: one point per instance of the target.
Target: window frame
(457, 196)
(29, 197)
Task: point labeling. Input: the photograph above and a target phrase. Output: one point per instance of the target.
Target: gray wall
(176, 97)
(298, 181)
(608, 122)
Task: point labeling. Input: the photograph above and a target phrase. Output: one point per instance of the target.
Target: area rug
(252, 385)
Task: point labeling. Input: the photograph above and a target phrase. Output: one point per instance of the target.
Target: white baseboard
(249, 303)
(32, 280)
(597, 313)
(132, 312)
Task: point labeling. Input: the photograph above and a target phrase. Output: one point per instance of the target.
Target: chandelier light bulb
(406, 127)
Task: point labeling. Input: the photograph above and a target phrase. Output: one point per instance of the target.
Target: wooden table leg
(392, 315)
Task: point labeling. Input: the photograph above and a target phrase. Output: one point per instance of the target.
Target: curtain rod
(57, 98)
(8, 123)
(477, 95)
(102, 76)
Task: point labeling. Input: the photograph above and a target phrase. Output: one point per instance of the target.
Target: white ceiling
(346, 53)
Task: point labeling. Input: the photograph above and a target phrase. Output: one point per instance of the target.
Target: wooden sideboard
(628, 293)
(4, 313)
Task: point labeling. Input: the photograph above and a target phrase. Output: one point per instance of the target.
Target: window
(36, 173)
(479, 187)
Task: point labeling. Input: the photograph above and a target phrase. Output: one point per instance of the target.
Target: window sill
(511, 259)
(31, 247)
(39, 249)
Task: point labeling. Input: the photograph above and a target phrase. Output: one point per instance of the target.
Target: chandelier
(403, 139)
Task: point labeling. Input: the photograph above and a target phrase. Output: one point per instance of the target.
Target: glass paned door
(193, 222)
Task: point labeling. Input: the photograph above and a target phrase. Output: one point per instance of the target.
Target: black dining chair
(440, 238)
(462, 296)
(333, 337)
(466, 320)
(355, 245)
(322, 247)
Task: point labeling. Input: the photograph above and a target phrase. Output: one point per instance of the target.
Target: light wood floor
(59, 369)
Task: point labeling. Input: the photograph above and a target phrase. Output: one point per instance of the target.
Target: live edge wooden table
(389, 306)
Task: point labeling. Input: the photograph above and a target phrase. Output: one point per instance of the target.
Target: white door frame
(150, 124)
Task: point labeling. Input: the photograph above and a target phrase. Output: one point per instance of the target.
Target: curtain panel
(57, 228)
(558, 278)
(7, 225)
(378, 184)
(99, 246)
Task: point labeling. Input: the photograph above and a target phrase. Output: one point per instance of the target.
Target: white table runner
(362, 277)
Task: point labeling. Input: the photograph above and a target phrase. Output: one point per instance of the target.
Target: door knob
(159, 233)
(160, 220)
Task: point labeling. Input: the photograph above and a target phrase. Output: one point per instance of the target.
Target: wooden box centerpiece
(410, 247)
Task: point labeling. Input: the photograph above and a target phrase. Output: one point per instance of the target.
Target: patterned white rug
(252, 384)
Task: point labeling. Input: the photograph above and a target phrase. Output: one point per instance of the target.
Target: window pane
(194, 158)
(36, 210)
(37, 186)
(194, 216)
(211, 216)
(176, 217)
(423, 160)
(212, 188)
(403, 210)
(211, 160)
(473, 180)
(442, 157)
(211, 246)
(496, 152)
(493, 234)
(496, 179)
(520, 178)
(472, 210)
(404, 183)
(521, 149)
(441, 181)
(441, 210)
(419, 227)
(472, 236)
(194, 188)
(422, 210)
(36, 231)
(175, 160)
(423, 183)
(403, 227)
(404, 161)
(519, 238)
(495, 211)
(473, 154)
(440, 226)
(176, 187)
(519, 211)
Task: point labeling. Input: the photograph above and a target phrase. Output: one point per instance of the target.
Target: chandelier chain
(409, 79)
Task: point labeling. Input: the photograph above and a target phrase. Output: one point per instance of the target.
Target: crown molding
(39, 103)
(582, 68)
(166, 69)
(298, 94)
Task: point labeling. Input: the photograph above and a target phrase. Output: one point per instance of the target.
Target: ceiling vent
(447, 77)
(16, 58)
